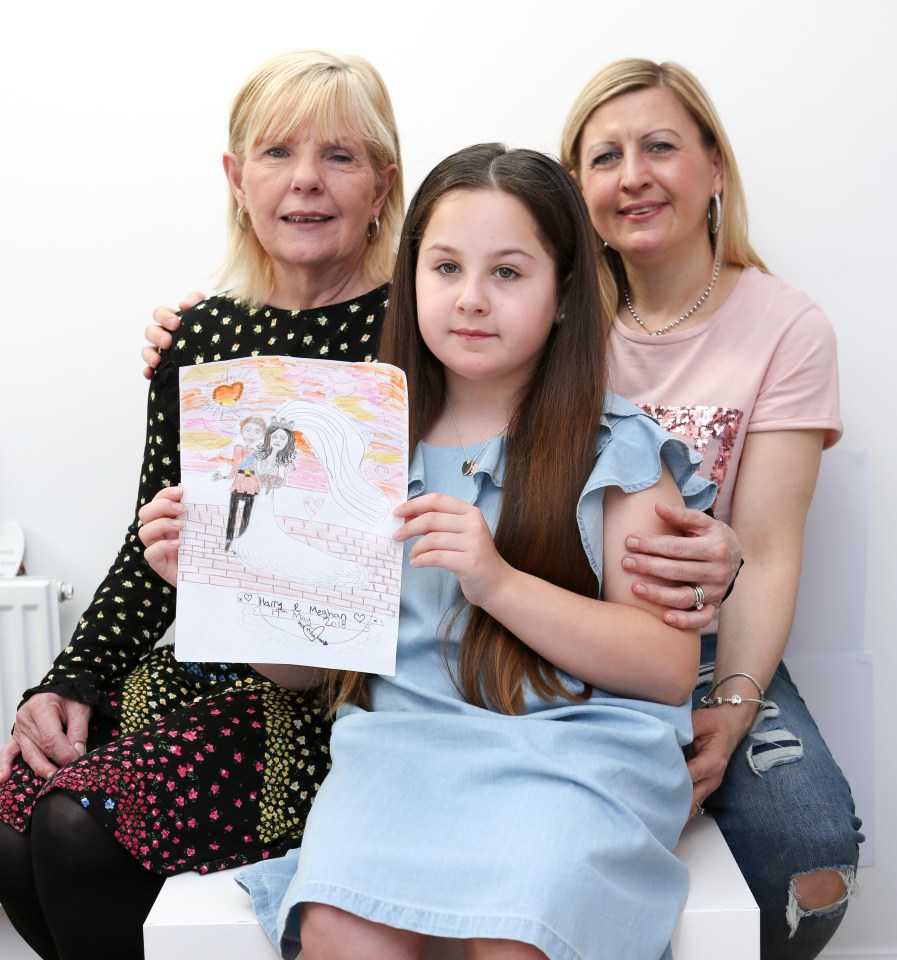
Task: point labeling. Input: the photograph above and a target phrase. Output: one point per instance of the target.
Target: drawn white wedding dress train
(267, 548)
(340, 448)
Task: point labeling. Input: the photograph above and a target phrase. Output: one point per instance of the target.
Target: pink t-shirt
(765, 360)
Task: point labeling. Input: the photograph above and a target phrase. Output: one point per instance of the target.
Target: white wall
(113, 122)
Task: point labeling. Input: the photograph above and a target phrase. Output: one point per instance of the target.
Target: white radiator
(29, 637)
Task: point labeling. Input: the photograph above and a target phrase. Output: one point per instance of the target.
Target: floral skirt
(193, 766)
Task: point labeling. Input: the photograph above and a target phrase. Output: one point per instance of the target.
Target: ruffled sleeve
(632, 448)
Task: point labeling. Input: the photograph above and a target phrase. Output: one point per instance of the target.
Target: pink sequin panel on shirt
(712, 431)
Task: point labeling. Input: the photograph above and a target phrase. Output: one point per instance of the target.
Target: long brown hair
(550, 446)
(625, 76)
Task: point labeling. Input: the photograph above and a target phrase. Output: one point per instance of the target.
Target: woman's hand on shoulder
(165, 322)
(453, 535)
(705, 552)
(160, 530)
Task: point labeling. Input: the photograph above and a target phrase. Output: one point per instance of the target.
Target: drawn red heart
(227, 394)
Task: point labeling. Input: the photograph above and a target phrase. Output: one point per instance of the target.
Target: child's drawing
(295, 561)
(340, 449)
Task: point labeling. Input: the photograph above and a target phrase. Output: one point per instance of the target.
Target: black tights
(70, 890)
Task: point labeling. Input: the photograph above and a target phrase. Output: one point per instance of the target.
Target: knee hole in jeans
(834, 886)
(819, 889)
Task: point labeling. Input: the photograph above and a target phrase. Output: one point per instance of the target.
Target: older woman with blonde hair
(350, 243)
(126, 765)
(744, 366)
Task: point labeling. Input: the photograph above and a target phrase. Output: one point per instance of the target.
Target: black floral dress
(197, 766)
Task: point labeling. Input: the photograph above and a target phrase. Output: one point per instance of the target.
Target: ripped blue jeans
(785, 809)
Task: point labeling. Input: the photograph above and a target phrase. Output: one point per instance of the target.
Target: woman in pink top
(745, 367)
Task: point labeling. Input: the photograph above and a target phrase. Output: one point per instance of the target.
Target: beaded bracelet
(711, 701)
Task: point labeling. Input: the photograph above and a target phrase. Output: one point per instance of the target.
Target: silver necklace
(470, 465)
(685, 316)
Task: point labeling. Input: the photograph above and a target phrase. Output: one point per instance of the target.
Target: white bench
(210, 916)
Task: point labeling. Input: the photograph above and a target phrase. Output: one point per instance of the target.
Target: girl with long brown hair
(519, 784)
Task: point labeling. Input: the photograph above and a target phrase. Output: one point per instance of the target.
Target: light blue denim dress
(554, 827)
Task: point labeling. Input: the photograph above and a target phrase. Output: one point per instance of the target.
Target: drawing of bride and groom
(262, 462)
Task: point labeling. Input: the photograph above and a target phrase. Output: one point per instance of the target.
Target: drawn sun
(224, 399)
(228, 394)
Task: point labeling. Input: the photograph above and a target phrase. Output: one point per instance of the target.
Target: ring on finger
(699, 598)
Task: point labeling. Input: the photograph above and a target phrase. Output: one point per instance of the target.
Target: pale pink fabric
(766, 360)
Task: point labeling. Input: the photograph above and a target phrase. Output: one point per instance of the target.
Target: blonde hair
(625, 76)
(333, 94)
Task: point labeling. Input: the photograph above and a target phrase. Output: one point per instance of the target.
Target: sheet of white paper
(291, 470)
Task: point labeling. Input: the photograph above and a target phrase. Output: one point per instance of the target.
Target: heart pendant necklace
(470, 466)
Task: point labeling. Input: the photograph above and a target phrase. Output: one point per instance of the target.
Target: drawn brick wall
(203, 560)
